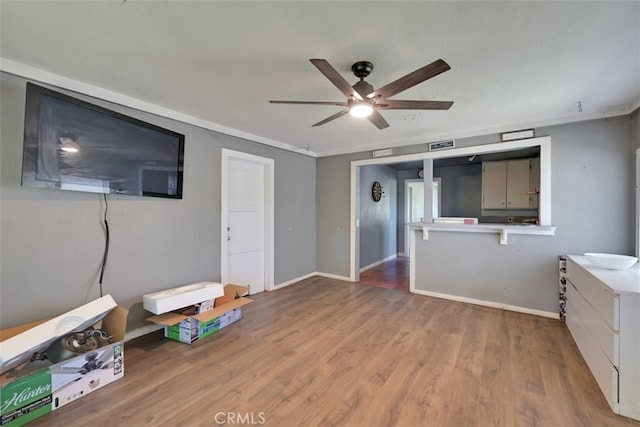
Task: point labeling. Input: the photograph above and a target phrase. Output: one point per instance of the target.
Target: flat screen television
(70, 144)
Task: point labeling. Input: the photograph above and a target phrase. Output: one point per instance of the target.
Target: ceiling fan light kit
(361, 109)
(364, 101)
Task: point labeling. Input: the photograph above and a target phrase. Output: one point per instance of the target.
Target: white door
(247, 220)
(414, 204)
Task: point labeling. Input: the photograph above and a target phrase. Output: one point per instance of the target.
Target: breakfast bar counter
(503, 230)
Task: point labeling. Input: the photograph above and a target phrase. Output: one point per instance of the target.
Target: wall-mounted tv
(70, 144)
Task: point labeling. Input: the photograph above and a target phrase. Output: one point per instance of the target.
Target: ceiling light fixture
(68, 144)
(361, 109)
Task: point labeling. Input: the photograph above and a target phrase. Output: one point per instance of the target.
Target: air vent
(442, 145)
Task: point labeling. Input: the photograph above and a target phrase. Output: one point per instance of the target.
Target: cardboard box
(19, 347)
(190, 324)
(183, 296)
(33, 389)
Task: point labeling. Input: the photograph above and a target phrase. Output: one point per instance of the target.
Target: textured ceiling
(513, 64)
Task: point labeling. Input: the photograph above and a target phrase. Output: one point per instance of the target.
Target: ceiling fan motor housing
(362, 69)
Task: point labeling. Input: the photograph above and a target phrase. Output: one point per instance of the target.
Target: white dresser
(603, 316)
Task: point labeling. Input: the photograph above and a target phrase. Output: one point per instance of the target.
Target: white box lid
(182, 296)
(19, 348)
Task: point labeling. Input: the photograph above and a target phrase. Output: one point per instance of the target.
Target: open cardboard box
(188, 326)
(32, 389)
(182, 296)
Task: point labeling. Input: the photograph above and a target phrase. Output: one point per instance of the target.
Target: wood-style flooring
(393, 274)
(325, 352)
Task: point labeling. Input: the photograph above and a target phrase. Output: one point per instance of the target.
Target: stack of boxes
(187, 317)
(30, 389)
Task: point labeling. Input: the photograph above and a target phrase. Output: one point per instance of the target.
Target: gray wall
(52, 241)
(333, 203)
(378, 220)
(461, 190)
(592, 206)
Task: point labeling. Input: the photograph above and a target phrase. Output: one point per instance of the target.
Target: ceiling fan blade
(340, 104)
(377, 119)
(330, 118)
(336, 78)
(411, 79)
(390, 104)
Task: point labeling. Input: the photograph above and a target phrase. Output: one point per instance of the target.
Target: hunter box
(35, 388)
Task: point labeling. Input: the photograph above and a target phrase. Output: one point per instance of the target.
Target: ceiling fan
(364, 101)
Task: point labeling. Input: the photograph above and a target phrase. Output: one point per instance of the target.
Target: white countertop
(504, 230)
(619, 281)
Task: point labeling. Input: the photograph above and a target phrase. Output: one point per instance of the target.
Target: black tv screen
(71, 144)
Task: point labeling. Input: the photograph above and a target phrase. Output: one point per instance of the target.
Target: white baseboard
(491, 304)
(377, 263)
(333, 276)
(292, 281)
(401, 254)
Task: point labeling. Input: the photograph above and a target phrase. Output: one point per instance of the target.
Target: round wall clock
(376, 191)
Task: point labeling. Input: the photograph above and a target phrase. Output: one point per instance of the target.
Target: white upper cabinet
(494, 185)
(503, 183)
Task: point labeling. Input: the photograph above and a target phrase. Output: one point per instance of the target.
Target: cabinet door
(494, 185)
(534, 181)
(518, 182)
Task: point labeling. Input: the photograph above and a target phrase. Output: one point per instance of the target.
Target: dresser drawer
(603, 301)
(605, 374)
(606, 338)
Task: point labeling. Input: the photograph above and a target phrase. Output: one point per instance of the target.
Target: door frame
(407, 214)
(268, 166)
(544, 202)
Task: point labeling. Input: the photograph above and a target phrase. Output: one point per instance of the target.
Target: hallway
(392, 274)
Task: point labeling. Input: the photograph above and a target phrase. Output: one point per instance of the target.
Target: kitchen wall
(461, 190)
(592, 206)
(378, 220)
(52, 241)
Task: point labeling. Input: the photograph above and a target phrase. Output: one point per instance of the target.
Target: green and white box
(34, 389)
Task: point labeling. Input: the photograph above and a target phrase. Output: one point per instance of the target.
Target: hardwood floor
(393, 274)
(327, 352)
